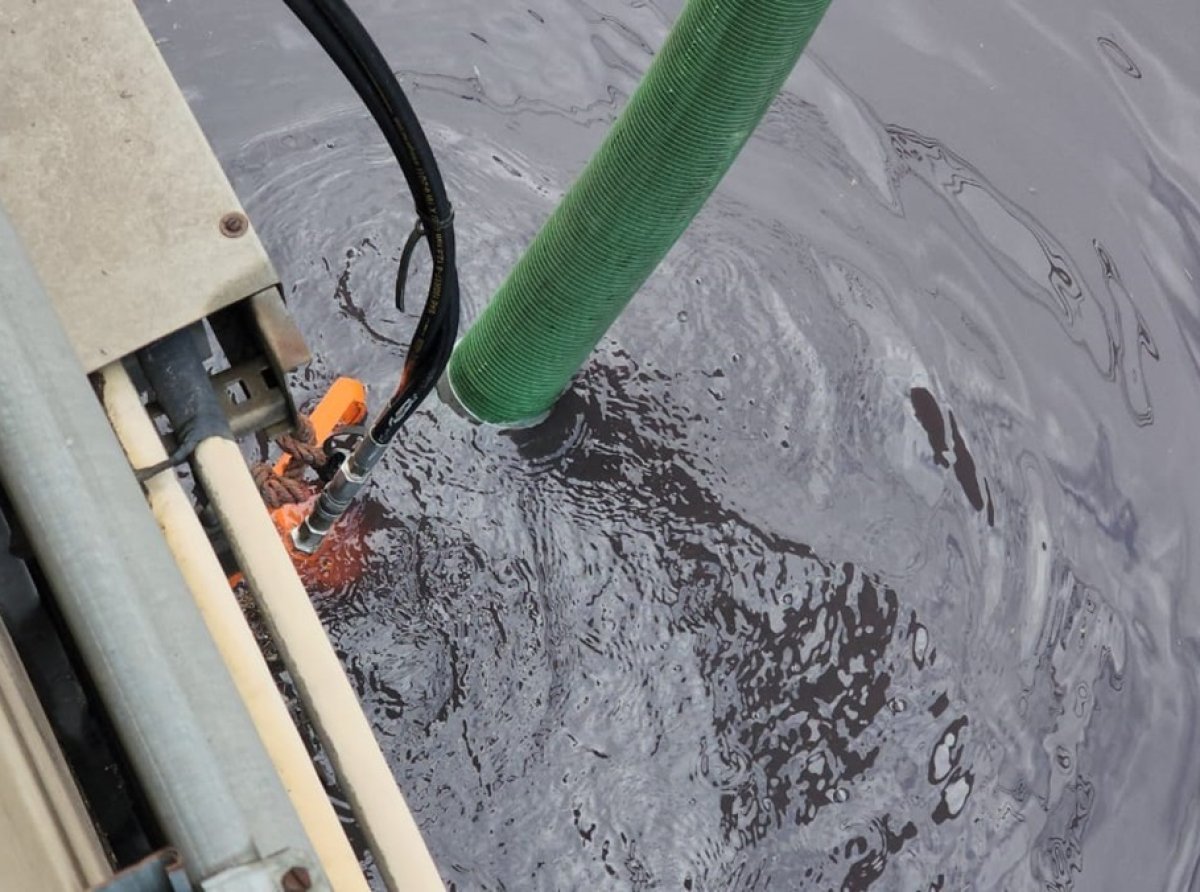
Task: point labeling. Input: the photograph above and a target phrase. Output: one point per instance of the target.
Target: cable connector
(338, 495)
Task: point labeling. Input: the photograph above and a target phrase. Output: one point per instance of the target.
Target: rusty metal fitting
(234, 225)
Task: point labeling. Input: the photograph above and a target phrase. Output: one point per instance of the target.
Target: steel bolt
(296, 880)
(234, 225)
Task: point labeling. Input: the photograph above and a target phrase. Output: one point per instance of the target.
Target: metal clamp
(161, 872)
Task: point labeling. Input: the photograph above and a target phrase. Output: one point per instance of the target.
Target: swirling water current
(862, 555)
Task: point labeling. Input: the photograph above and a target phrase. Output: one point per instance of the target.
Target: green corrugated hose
(721, 66)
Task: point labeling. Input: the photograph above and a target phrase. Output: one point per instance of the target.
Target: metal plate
(110, 181)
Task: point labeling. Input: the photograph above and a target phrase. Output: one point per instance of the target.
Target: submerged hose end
(449, 395)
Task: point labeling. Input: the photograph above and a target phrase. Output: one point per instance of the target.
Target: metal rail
(201, 568)
(175, 708)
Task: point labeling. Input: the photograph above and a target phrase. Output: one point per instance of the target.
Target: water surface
(863, 553)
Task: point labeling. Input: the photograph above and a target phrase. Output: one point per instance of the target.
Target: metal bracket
(263, 344)
(161, 872)
(283, 343)
(253, 400)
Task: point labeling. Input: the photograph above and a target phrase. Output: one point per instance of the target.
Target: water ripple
(839, 566)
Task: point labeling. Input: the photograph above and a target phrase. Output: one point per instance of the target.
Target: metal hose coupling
(338, 495)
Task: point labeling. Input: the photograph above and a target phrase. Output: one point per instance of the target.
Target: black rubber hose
(346, 41)
(351, 48)
(174, 366)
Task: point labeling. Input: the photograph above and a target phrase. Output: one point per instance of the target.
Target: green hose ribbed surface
(707, 89)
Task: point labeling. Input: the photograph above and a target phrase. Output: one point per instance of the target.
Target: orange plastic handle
(344, 403)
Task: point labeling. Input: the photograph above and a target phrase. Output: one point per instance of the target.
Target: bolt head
(234, 225)
(297, 879)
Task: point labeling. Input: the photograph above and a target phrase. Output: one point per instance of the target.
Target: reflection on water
(930, 415)
(862, 553)
(1119, 57)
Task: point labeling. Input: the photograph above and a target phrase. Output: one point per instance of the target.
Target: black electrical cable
(343, 37)
(353, 51)
(410, 245)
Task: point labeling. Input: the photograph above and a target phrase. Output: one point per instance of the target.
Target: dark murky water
(864, 552)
